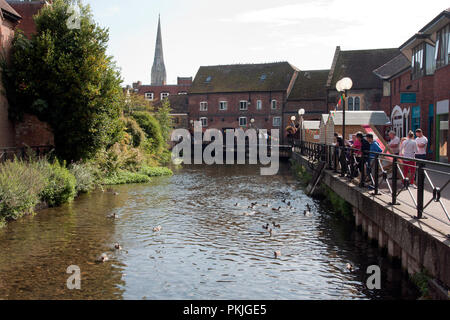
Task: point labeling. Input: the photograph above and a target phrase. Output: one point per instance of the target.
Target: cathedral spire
(158, 69)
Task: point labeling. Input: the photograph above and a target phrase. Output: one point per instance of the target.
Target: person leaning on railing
(422, 143)
(408, 149)
(374, 148)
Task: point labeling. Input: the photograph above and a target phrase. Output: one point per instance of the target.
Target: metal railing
(24, 152)
(384, 173)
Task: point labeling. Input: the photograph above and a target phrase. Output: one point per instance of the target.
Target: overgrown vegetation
(338, 204)
(420, 279)
(64, 77)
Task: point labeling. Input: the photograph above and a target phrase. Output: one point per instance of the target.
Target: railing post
(420, 189)
(362, 168)
(336, 155)
(394, 181)
(377, 171)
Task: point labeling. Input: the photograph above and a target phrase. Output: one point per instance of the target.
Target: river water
(208, 248)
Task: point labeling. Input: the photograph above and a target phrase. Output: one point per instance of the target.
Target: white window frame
(182, 93)
(205, 120)
(274, 104)
(278, 124)
(259, 105)
(246, 105)
(204, 106)
(224, 104)
(164, 95)
(149, 96)
(241, 124)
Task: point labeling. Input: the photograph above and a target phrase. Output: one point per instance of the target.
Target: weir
(411, 223)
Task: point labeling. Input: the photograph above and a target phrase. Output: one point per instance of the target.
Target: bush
(119, 157)
(86, 175)
(156, 171)
(137, 135)
(152, 129)
(60, 184)
(20, 186)
(125, 177)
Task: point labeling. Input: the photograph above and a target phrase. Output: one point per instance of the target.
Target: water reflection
(207, 248)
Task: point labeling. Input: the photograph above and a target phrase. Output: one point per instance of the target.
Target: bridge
(411, 221)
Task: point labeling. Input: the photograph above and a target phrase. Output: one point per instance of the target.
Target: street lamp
(344, 85)
(301, 112)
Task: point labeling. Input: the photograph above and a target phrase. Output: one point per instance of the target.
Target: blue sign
(408, 97)
(415, 112)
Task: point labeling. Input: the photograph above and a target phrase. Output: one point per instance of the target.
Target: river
(208, 248)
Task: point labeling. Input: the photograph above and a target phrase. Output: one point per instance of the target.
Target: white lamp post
(344, 85)
(301, 112)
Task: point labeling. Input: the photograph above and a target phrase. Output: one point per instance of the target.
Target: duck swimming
(266, 226)
(277, 254)
(113, 216)
(350, 267)
(307, 213)
(157, 229)
(275, 209)
(117, 246)
(102, 258)
(276, 225)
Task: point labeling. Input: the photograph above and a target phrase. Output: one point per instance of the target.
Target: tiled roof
(376, 118)
(310, 85)
(359, 66)
(393, 67)
(7, 8)
(243, 78)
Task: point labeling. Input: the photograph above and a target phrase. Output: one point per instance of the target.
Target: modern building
(230, 96)
(417, 85)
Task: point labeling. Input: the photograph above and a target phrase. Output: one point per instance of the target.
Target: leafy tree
(152, 128)
(133, 102)
(164, 118)
(64, 77)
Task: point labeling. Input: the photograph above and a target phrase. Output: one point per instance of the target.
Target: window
(259, 105)
(223, 105)
(164, 95)
(204, 121)
(417, 61)
(243, 121)
(204, 106)
(350, 105)
(149, 96)
(277, 121)
(243, 105)
(442, 52)
(357, 104)
(274, 104)
(182, 92)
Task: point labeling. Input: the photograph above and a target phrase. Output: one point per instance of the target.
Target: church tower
(158, 69)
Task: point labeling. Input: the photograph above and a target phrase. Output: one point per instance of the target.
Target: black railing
(381, 173)
(24, 152)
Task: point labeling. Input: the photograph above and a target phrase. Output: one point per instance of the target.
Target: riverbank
(421, 252)
(29, 186)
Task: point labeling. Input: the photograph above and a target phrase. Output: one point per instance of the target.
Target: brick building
(30, 131)
(9, 19)
(367, 90)
(230, 96)
(417, 85)
(309, 93)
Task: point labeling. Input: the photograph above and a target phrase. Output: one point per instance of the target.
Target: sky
(211, 32)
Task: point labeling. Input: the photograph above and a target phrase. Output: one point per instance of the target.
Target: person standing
(409, 149)
(394, 143)
(422, 144)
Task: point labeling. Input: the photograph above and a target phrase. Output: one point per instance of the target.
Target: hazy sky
(210, 32)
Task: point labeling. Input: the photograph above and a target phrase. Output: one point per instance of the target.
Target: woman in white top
(408, 149)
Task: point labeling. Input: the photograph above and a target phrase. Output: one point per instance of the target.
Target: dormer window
(149, 96)
(164, 95)
(208, 79)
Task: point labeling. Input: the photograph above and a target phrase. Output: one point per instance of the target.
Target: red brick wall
(222, 119)
(32, 132)
(6, 126)
(27, 10)
(157, 90)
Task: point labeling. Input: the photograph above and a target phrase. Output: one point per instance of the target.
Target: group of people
(364, 148)
(409, 147)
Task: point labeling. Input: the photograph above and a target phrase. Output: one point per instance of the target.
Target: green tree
(164, 118)
(133, 102)
(64, 77)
